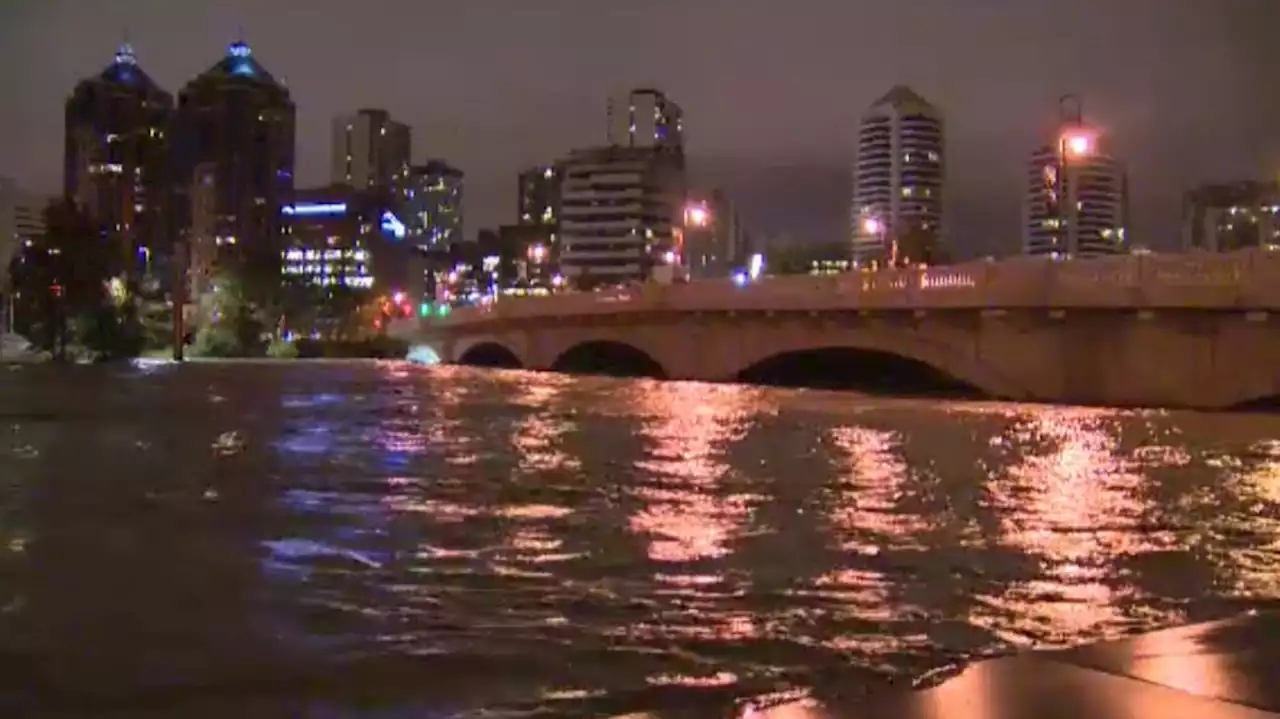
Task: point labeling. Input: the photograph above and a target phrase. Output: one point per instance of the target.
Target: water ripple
(464, 543)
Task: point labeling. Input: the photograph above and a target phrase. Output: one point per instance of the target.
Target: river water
(361, 539)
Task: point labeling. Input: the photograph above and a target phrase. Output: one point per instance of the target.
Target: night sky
(772, 89)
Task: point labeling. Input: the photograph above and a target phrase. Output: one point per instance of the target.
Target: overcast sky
(772, 89)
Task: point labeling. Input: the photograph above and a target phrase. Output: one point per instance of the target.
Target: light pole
(873, 227)
(1073, 141)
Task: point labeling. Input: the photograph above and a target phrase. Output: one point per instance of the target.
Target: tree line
(77, 291)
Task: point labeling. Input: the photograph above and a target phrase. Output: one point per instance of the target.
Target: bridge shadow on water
(611, 359)
(1265, 405)
(866, 371)
(491, 355)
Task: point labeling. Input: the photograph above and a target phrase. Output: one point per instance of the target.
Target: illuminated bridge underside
(1152, 330)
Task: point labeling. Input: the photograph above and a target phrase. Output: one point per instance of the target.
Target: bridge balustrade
(1242, 279)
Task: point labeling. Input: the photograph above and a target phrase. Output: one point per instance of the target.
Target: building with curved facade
(1076, 201)
(898, 174)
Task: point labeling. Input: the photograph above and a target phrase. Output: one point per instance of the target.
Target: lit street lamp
(1075, 142)
(697, 216)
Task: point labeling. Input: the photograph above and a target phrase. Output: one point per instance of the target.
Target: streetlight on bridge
(1075, 142)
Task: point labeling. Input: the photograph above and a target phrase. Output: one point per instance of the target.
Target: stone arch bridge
(1191, 331)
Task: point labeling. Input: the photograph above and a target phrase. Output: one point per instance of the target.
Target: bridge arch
(490, 354)
(838, 367)
(920, 358)
(609, 357)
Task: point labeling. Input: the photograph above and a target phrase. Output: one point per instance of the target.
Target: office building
(538, 196)
(203, 243)
(21, 226)
(620, 212)
(433, 206)
(338, 237)
(236, 121)
(1233, 216)
(714, 243)
(645, 119)
(116, 153)
(1076, 198)
(370, 152)
(898, 174)
(21, 222)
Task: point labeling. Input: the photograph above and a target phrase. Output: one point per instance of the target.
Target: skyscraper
(116, 157)
(898, 174)
(538, 196)
(1076, 198)
(433, 207)
(235, 122)
(646, 118)
(370, 151)
(620, 217)
(714, 243)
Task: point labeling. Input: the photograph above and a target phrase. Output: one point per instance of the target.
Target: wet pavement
(1218, 670)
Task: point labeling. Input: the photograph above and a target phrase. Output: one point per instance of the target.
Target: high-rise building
(116, 157)
(539, 196)
(370, 151)
(714, 243)
(21, 222)
(620, 212)
(1076, 200)
(237, 121)
(645, 118)
(898, 175)
(1234, 216)
(433, 205)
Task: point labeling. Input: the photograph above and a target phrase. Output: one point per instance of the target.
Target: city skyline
(786, 165)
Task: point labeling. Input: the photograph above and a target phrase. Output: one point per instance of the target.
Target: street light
(1076, 143)
(1073, 142)
(871, 226)
(697, 216)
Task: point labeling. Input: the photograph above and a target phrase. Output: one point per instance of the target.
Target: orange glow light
(1077, 144)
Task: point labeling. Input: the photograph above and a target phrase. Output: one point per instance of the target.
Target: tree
(69, 283)
(917, 245)
(230, 323)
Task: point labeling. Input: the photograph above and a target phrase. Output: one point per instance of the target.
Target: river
(380, 539)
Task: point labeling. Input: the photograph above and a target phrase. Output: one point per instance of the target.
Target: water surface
(377, 539)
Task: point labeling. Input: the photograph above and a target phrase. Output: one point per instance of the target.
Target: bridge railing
(1242, 279)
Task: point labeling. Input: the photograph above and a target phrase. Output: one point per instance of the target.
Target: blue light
(239, 49)
(243, 68)
(318, 208)
(740, 278)
(392, 225)
(125, 55)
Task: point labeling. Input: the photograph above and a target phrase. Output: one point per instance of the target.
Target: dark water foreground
(367, 539)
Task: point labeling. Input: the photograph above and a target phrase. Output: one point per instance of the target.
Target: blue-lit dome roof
(125, 70)
(240, 64)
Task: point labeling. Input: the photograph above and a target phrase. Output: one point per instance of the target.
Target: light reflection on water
(452, 540)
